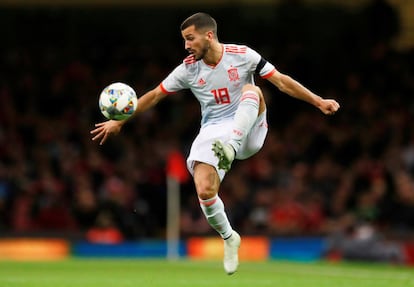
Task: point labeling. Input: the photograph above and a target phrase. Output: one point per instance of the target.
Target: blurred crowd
(316, 175)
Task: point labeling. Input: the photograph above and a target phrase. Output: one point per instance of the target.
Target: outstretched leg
(207, 183)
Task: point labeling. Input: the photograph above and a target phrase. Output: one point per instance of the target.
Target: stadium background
(347, 180)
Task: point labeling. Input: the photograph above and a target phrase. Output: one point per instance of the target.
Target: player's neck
(214, 54)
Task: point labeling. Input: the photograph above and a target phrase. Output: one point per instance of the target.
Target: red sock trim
(208, 202)
(250, 95)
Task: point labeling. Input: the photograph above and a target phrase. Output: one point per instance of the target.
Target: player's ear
(210, 35)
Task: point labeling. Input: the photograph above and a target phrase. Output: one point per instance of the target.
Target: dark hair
(201, 21)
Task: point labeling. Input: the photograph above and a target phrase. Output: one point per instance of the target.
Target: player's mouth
(194, 53)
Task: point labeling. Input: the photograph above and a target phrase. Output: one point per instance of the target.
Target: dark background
(316, 175)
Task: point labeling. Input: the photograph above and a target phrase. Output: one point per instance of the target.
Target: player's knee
(205, 189)
(253, 88)
(256, 95)
(206, 181)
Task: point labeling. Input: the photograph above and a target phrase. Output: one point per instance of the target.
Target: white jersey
(218, 88)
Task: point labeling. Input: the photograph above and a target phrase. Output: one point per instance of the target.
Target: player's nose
(187, 45)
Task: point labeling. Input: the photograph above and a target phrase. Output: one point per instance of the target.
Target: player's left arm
(295, 89)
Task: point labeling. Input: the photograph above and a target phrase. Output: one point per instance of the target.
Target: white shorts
(201, 149)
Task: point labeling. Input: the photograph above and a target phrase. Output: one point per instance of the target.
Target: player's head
(198, 31)
(202, 23)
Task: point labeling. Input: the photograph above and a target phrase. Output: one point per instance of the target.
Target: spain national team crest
(233, 74)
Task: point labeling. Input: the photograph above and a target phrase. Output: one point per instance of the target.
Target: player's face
(195, 42)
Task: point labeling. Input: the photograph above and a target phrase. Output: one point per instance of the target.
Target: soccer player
(233, 111)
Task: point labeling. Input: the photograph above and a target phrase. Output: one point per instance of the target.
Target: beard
(203, 52)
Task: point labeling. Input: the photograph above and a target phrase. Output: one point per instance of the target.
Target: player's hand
(105, 129)
(329, 106)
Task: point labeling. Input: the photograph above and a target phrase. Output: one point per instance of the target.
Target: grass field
(143, 273)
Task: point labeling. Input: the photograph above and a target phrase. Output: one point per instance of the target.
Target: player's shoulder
(235, 49)
(190, 64)
(189, 61)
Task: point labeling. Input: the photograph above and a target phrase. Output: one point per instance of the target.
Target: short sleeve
(175, 81)
(259, 65)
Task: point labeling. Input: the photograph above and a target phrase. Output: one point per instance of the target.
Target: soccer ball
(118, 101)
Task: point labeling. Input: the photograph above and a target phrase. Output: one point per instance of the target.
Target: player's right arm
(104, 129)
(175, 81)
(149, 99)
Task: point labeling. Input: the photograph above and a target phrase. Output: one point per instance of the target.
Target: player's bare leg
(250, 106)
(207, 184)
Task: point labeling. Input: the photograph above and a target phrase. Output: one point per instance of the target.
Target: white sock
(213, 209)
(244, 118)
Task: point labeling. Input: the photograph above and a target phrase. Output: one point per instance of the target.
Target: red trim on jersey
(190, 60)
(164, 90)
(236, 49)
(218, 62)
(268, 75)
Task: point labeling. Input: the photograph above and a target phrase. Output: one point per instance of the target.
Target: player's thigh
(201, 148)
(206, 180)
